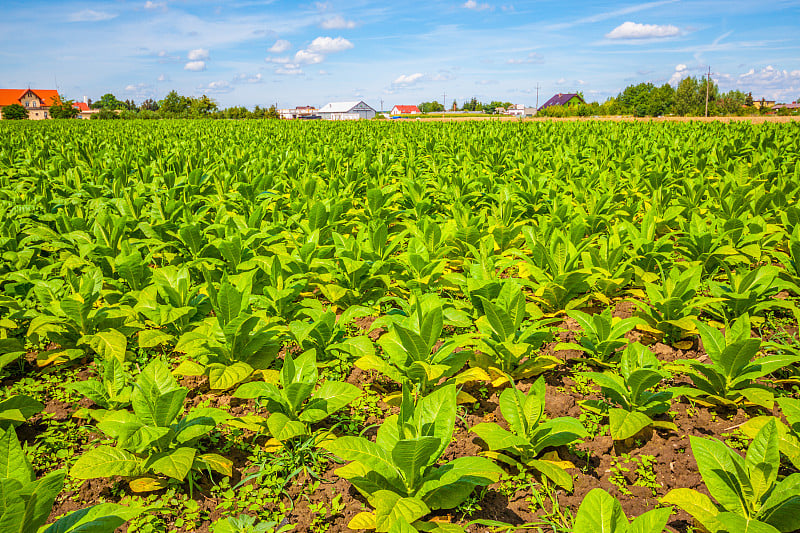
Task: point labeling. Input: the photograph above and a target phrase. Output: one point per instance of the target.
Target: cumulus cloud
(681, 71)
(90, 15)
(195, 66)
(289, 70)
(198, 54)
(405, 80)
(475, 6)
(280, 46)
(771, 82)
(139, 90)
(533, 57)
(307, 57)
(337, 22)
(248, 78)
(329, 45)
(633, 30)
(219, 86)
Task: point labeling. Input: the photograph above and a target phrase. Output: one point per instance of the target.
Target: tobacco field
(264, 326)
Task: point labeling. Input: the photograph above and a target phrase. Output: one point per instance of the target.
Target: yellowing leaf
(362, 520)
(147, 484)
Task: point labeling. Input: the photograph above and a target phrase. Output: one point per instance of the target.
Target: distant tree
(748, 101)
(431, 107)
(687, 98)
(258, 112)
(173, 103)
(272, 112)
(202, 106)
(14, 112)
(130, 105)
(63, 108)
(472, 105)
(149, 105)
(108, 101)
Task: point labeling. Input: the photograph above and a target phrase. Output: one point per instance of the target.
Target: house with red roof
(405, 110)
(565, 99)
(36, 101)
(84, 111)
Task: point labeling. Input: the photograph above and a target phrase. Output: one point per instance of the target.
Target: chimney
(85, 99)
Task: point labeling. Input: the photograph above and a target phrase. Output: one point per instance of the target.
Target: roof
(83, 106)
(793, 105)
(341, 107)
(407, 108)
(561, 99)
(12, 96)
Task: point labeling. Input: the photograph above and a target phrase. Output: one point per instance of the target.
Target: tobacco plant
(730, 378)
(27, 502)
(628, 402)
(154, 439)
(603, 335)
(296, 402)
(788, 434)
(399, 473)
(529, 433)
(749, 494)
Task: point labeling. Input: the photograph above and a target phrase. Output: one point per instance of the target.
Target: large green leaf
(391, 507)
(696, 504)
(412, 456)
(224, 377)
(763, 459)
(723, 480)
(110, 344)
(600, 513)
(365, 452)
(625, 424)
(173, 463)
(327, 399)
(14, 463)
(105, 461)
(101, 518)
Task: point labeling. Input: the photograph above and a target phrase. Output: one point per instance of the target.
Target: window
(45, 114)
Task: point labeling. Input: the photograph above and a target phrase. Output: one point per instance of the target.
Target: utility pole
(537, 96)
(708, 83)
(381, 105)
(444, 104)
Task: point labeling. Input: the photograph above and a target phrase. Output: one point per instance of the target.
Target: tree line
(687, 99)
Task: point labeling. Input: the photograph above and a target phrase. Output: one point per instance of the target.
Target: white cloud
(279, 60)
(306, 57)
(289, 70)
(328, 45)
(198, 54)
(280, 46)
(248, 78)
(771, 83)
(219, 86)
(163, 77)
(155, 5)
(532, 57)
(139, 90)
(337, 22)
(633, 30)
(681, 71)
(90, 15)
(195, 66)
(475, 6)
(407, 79)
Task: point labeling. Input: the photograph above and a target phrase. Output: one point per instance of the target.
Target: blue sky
(248, 52)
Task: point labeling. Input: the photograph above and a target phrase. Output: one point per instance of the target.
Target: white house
(516, 110)
(346, 111)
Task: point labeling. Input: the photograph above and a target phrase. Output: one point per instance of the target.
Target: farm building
(567, 99)
(405, 110)
(298, 112)
(346, 111)
(84, 111)
(36, 101)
